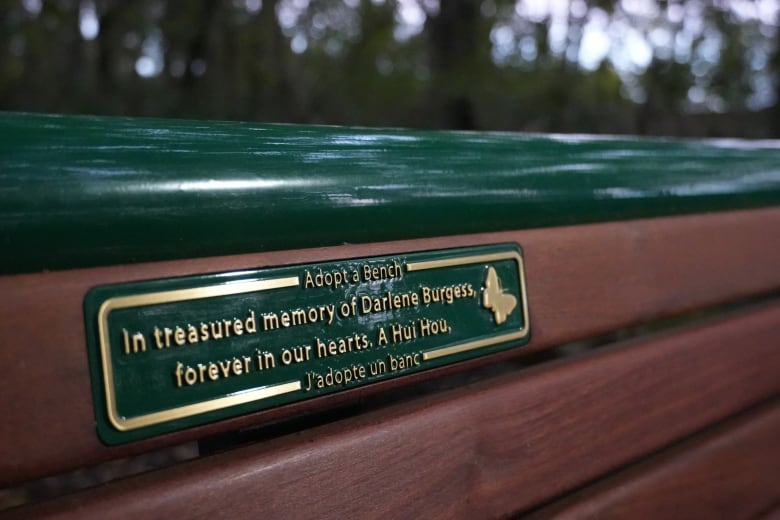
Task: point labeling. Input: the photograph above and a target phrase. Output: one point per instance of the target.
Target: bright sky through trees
(509, 64)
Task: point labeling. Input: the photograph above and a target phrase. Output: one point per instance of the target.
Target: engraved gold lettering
(388, 302)
(179, 336)
(138, 342)
(265, 360)
(178, 373)
(403, 332)
(182, 335)
(382, 272)
(158, 337)
(211, 371)
(333, 279)
(301, 354)
(251, 325)
(403, 362)
(190, 376)
(294, 318)
(299, 316)
(338, 346)
(446, 295)
(296, 354)
(337, 377)
(216, 330)
(227, 324)
(429, 328)
(377, 367)
(404, 308)
(270, 321)
(192, 334)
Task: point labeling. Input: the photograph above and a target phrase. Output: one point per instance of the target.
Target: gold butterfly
(494, 298)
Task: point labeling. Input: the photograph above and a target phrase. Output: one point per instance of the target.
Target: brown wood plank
(486, 450)
(731, 473)
(582, 281)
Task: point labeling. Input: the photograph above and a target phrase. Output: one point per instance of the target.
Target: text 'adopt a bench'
(239, 320)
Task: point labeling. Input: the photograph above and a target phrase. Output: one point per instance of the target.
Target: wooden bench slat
(582, 281)
(772, 514)
(491, 449)
(730, 473)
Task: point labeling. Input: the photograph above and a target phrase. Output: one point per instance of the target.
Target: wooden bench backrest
(649, 387)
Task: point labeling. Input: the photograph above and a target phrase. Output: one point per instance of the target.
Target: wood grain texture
(731, 473)
(582, 281)
(487, 450)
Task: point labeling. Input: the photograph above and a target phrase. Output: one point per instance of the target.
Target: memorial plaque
(174, 353)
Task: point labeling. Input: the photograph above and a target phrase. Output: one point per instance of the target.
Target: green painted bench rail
(80, 191)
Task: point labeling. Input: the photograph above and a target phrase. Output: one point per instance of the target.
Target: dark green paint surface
(146, 382)
(86, 191)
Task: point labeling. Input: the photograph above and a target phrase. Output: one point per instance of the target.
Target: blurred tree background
(694, 67)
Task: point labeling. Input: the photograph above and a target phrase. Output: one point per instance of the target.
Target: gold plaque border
(475, 259)
(264, 392)
(122, 302)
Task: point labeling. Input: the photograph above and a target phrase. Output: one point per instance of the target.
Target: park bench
(642, 381)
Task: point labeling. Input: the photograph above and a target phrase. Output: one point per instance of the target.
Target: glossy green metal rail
(85, 191)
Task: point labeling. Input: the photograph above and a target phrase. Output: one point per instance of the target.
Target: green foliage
(471, 64)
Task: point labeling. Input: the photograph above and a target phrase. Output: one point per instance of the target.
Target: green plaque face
(171, 354)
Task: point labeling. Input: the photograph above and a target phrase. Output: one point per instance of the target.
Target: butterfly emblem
(494, 298)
